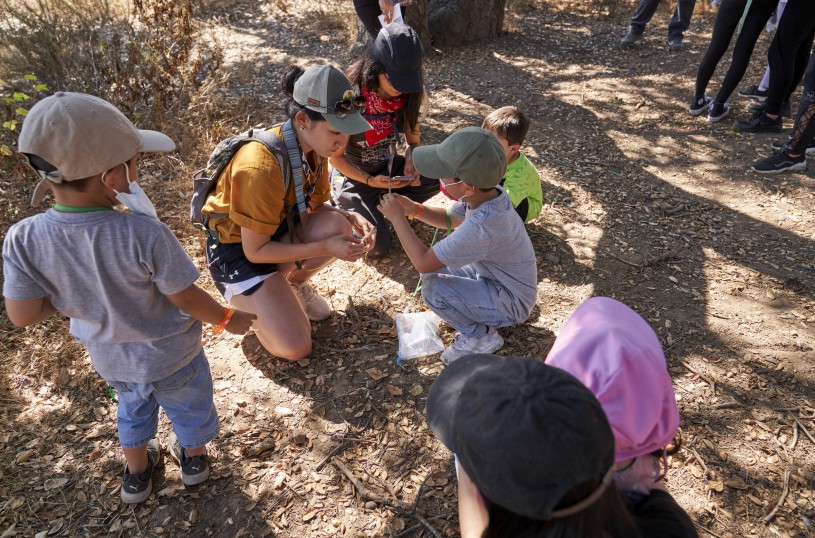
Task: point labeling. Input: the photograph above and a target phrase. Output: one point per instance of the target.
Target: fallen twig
(804, 429)
(769, 517)
(702, 376)
(727, 405)
(710, 532)
(400, 507)
(700, 460)
(652, 261)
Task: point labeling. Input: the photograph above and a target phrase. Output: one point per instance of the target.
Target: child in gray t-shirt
(123, 280)
(484, 275)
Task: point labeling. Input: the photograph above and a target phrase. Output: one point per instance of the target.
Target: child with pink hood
(616, 355)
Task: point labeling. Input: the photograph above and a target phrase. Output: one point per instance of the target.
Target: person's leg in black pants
(680, 21)
(368, 12)
(645, 11)
(794, 29)
(727, 19)
(804, 130)
(757, 17)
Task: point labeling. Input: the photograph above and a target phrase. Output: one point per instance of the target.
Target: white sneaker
(467, 345)
(316, 308)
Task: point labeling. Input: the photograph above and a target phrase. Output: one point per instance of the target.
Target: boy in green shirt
(521, 181)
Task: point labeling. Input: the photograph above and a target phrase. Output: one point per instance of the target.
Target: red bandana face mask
(380, 114)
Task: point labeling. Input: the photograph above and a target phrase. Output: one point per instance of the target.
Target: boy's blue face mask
(136, 199)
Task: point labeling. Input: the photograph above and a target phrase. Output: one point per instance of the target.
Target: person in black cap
(389, 76)
(534, 450)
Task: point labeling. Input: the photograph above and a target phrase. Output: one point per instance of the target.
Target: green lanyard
(72, 209)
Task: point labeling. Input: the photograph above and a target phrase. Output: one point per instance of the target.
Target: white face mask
(136, 199)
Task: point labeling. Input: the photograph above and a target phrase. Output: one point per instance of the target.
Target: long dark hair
(365, 73)
(606, 517)
(292, 107)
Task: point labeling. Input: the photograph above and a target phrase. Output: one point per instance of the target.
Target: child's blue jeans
(186, 397)
(464, 300)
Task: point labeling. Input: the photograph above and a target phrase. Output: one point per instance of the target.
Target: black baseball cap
(526, 433)
(398, 48)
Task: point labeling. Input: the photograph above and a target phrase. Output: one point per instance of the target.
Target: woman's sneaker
(780, 144)
(718, 112)
(753, 92)
(195, 469)
(466, 345)
(136, 487)
(780, 161)
(315, 307)
(699, 106)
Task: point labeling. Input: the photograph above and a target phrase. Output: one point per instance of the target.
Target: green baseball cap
(326, 90)
(472, 155)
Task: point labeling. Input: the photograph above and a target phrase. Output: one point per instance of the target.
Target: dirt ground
(643, 203)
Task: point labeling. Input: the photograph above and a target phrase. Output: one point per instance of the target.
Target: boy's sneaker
(759, 123)
(779, 145)
(779, 162)
(466, 345)
(630, 38)
(753, 92)
(316, 308)
(194, 470)
(699, 106)
(786, 108)
(136, 487)
(718, 112)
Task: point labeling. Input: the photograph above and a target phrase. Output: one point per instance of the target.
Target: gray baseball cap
(472, 155)
(81, 136)
(321, 88)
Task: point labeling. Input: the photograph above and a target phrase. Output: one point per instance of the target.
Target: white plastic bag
(418, 334)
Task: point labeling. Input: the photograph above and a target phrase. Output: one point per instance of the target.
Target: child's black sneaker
(779, 145)
(195, 469)
(753, 92)
(699, 106)
(780, 161)
(136, 487)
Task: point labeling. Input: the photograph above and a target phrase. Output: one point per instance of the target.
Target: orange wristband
(418, 212)
(228, 312)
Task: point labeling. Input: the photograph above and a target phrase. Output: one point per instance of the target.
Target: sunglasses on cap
(344, 107)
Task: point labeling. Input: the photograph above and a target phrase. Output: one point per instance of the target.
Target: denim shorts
(186, 397)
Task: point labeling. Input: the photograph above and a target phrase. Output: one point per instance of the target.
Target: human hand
(385, 182)
(394, 206)
(345, 247)
(364, 229)
(240, 322)
(410, 169)
(387, 10)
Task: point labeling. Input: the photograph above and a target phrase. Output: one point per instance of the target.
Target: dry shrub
(147, 62)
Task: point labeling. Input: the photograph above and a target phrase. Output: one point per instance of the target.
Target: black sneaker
(718, 112)
(779, 145)
(194, 470)
(676, 43)
(759, 123)
(630, 38)
(699, 106)
(786, 108)
(753, 92)
(780, 162)
(136, 488)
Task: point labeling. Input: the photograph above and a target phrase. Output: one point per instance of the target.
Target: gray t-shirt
(109, 272)
(494, 241)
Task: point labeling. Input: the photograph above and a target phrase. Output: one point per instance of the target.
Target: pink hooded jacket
(616, 354)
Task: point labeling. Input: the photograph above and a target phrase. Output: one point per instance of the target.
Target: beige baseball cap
(82, 136)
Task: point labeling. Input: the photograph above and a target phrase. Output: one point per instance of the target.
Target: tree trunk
(416, 17)
(452, 22)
